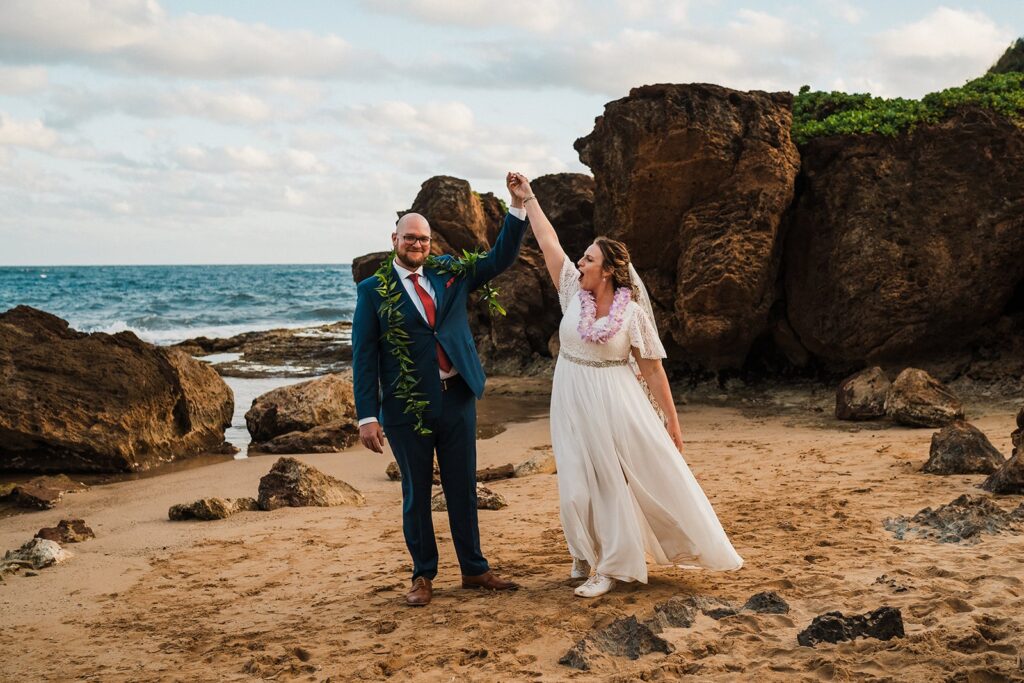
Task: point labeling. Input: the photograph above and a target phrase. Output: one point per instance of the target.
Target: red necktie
(428, 308)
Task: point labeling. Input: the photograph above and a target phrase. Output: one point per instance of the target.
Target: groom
(430, 309)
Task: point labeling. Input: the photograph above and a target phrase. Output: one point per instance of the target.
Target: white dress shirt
(403, 275)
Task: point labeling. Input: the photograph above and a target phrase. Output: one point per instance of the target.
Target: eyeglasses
(413, 239)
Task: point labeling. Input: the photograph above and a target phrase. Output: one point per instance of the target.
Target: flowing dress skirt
(625, 491)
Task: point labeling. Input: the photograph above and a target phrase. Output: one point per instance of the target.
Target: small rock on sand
(207, 509)
(624, 637)
(962, 448)
(37, 553)
(486, 499)
(862, 396)
(543, 462)
(917, 399)
(43, 493)
(293, 483)
(67, 531)
(883, 623)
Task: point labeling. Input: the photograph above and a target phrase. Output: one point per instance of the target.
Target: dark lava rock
(67, 531)
(962, 448)
(962, 520)
(883, 623)
(917, 399)
(768, 602)
(1008, 479)
(293, 483)
(207, 509)
(624, 637)
(862, 396)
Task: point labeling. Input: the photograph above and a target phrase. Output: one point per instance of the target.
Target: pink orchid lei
(599, 333)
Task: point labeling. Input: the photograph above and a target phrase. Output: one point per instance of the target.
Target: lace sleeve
(568, 283)
(643, 336)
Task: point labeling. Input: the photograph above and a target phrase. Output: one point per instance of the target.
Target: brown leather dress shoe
(488, 580)
(420, 593)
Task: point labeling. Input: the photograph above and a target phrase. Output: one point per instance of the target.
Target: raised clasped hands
(518, 186)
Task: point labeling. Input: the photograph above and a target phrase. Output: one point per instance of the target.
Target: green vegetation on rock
(819, 114)
(1012, 59)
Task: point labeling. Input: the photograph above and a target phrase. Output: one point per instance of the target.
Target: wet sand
(316, 594)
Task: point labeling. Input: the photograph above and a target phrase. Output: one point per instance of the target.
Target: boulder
(67, 531)
(862, 396)
(1009, 478)
(460, 219)
(316, 416)
(903, 244)
(542, 462)
(71, 401)
(696, 179)
(37, 554)
(207, 509)
(962, 448)
(293, 483)
(43, 493)
(486, 499)
(917, 399)
(884, 623)
(365, 266)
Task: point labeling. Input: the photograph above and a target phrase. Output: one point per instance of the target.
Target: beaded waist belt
(593, 363)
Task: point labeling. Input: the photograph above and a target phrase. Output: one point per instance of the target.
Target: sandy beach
(316, 593)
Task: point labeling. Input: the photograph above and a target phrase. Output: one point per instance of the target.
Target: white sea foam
(175, 335)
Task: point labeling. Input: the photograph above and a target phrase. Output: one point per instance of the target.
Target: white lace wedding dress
(625, 491)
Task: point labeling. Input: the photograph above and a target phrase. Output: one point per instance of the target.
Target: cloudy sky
(252, 131)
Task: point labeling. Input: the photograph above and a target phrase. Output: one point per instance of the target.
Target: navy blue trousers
(453, 437)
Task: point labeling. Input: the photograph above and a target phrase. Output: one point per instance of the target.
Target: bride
(625, 491)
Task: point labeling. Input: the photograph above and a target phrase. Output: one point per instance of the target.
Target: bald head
(412, 220)
(411, 240)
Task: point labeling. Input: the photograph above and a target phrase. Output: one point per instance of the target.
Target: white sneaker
(580, 569)
(596, 585)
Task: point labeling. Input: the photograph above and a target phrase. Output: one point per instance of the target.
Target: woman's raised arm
(547, 238)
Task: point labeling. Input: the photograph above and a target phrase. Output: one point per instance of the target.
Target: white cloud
(138, 35)
(541, 16)
(848, 12)
(947, 32)
(248, 159)
(444, 138)
(945, 48)
(16, 80)
(32, 134)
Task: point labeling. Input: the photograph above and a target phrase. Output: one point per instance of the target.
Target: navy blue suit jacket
(375, 370)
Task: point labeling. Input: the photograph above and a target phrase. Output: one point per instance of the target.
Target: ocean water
(166, 304)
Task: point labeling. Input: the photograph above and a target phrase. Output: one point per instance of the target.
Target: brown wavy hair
(616, 262)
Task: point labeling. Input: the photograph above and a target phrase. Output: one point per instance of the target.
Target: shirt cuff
(518, 212)
(367, 420)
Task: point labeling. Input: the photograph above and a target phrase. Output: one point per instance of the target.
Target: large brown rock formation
(696, 179)
(99, 402)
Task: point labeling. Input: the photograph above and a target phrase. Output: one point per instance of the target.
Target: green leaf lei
(397, 339)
